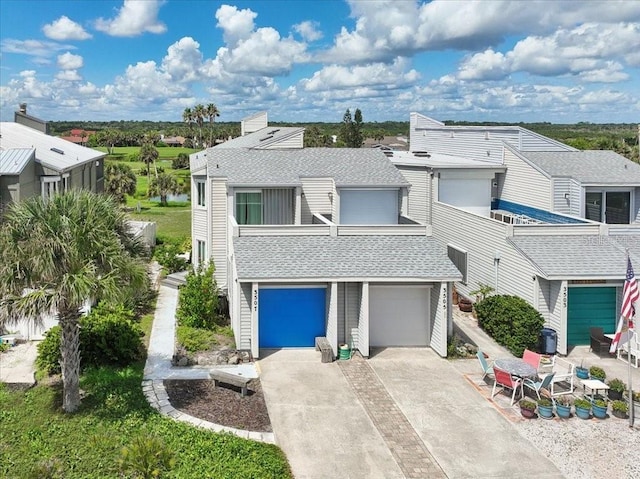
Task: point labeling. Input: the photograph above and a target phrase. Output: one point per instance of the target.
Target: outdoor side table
(516, 367)
(594, 385)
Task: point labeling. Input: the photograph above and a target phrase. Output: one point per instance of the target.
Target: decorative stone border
(158, 398)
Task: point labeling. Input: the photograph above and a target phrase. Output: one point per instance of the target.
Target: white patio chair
(563, 371)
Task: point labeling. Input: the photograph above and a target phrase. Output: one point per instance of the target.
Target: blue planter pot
(563, 411)
(582, 373)
(583, 413)
(545, 412)
(599, 412)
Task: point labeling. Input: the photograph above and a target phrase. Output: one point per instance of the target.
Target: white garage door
(399, 316)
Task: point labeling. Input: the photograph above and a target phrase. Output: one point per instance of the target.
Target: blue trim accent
(291, 317)
(535, 213)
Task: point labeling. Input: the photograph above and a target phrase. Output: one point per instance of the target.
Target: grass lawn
(164, 152)
(36, 436)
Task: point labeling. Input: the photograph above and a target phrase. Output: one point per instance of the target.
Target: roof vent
(274, 131)
(266, 137)
(421, 154)
(388, 153)
(57, 150)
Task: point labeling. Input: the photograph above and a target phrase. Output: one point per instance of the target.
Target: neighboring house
(78, 136)
(528, 216)
(34, 163)
(314, 242)
(387, 143)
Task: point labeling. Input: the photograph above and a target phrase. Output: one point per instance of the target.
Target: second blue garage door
(291, 317)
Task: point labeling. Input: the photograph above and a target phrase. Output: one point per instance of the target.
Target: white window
(202, 252)
(201, 188)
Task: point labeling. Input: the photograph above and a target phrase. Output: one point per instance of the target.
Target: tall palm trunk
(70, 363)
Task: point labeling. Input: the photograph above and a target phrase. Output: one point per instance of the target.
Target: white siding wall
(561, 187)
(481, 238)
(292, 142)
(332, 317)
(245, 317)
(419, 193)
(440, 310)
(558, 313)
(530, 141)
(576, 198)
(523, 184)
(363, 321)
(198, 221)
(466, 143)
(217, 247)
(254, 123)
(544, 299)
(316, 197)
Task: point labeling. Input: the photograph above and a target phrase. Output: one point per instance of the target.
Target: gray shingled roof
(347, 166)
(13, 160)
(341, 257)
(588, 166)
(576, 256)
(261, 138)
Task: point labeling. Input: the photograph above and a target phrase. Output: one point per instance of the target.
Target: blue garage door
(291, 317)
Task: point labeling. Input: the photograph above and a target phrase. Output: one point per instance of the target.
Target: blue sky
(556, 61)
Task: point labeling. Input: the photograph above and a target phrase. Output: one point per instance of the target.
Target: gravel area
(222, 405)
(586, 449)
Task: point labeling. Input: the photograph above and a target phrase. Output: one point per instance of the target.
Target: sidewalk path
(158, 368)
(17, 364)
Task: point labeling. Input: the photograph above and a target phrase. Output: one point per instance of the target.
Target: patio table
(594, 385)
(516, 367)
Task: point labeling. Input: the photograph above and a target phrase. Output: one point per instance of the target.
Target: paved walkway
(158, 368)
(405, 445)
(17, 365)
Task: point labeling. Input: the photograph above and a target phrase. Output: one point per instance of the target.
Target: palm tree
(199, 112)
(164, 185)
(212, 113)
(149, 154)
(120, 180)
(58, 253)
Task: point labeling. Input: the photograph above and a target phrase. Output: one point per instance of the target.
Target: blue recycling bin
(547, 341)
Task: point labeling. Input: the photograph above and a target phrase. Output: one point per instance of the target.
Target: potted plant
(545, 408)
(616, 388)
(582, 372)
(527, 408)
(620, 409)
(599, 408)
(583, 408)
(563, 406)
(597, 372)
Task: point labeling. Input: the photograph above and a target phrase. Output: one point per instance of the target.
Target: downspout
(430, 199)
(346, 322)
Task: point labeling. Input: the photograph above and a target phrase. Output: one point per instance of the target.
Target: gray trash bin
(547, 341)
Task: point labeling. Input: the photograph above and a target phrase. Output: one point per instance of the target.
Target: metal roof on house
(578, 256)
(588, 166)
(438, 160)
(51, 151)
(418, 258)
(13, 160)
(347, 166)
(261, 138)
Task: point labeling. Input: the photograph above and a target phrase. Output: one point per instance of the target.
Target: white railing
(385, 230)
(557, 229)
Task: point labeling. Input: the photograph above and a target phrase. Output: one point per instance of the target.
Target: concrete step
(175, 280)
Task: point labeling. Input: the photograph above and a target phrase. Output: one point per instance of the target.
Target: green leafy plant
(545, 402)
(48, 469)
(600, 403)
(581, 403)
(526, 404)
(616, 385)
(147, 457)
(563, 400)
(511, 321)
(198, 300)
(167, 255)
(620, 406)
(597, 372)
(195, 339)
(482, 292)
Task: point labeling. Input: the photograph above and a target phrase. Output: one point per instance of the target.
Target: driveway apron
(318, 420)
(466, 435)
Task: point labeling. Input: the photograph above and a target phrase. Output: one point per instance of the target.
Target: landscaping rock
(234, 359)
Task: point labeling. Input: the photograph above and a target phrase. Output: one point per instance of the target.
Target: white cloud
(308, 30)
(236, 24)
(68, 75)
(487, 65)
(69, 61)
(65, 29)
(183, 60)
(41, 50)
(386, 29)
(376, 76)
(135, 17)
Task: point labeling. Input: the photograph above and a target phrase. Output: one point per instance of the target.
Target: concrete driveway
(318, 421)
(324, 430)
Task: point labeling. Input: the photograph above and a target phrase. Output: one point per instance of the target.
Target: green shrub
(195, 339)
(135, 156)
(108, 335)
(181, 162)
(146, 457)
(597, 372)
(511, 321)
(167, 256)
(198, 300)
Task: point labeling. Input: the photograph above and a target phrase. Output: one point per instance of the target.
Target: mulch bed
(222, 405)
